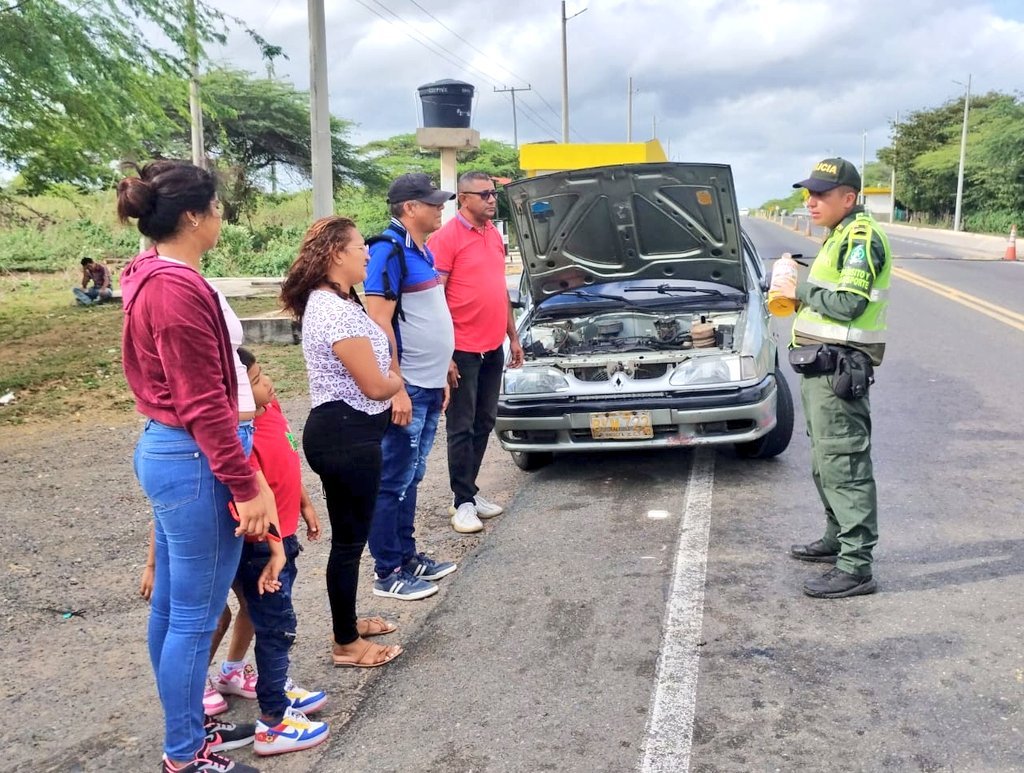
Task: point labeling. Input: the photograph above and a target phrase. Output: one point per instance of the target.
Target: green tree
(252, 124)
(926, 153)
(400, 155)
(76, 82)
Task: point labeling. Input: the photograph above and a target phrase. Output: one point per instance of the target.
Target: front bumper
(681, 419)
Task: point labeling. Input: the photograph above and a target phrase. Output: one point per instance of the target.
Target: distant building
(878, 201)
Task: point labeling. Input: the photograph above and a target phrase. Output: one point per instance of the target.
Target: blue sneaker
(427, 568)
(306, 701)
(402, 585)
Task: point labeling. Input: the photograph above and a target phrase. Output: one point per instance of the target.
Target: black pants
(471, 414)
(342, 445)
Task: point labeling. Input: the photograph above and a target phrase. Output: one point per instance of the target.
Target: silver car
(643, 320)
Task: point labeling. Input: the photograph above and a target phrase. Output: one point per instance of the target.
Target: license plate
(621, 425)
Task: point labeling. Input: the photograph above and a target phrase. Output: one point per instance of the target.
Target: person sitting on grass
(102, 287)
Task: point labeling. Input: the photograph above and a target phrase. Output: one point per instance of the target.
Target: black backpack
(393, 293)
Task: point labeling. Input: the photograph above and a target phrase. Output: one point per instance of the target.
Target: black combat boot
(817, 551)
(837, 584)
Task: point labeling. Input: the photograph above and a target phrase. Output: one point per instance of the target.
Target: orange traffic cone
(1011, 244)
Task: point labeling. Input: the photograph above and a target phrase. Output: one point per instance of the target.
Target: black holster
(851, 370)
(854, 374)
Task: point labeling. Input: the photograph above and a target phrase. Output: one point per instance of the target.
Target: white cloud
(768, 86)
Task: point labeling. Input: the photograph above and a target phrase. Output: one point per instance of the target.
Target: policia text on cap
(838, 340)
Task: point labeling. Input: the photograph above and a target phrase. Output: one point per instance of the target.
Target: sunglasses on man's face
(491, 194)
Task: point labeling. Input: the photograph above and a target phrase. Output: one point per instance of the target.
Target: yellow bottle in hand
(782, 291)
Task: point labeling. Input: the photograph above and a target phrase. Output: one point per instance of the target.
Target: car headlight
(705, 371)
(530, 381)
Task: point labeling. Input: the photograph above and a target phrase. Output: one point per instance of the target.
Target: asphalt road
(543, 654)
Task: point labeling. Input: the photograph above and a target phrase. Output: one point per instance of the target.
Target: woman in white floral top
(351, 383)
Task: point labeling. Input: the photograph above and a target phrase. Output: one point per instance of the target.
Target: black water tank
(446, 104)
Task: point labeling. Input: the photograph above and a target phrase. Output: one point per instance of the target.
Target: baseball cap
(831, 173)
(416, 186)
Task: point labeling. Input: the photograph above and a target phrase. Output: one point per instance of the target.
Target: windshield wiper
(595, 296)
(666, 289)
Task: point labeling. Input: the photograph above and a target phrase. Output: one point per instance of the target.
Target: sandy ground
(79, 688)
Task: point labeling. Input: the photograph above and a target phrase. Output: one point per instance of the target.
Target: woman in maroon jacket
(192, 457)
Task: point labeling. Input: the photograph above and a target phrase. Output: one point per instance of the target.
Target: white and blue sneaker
(294, 733)
(306, 701)
(402, 585)
(427, 568)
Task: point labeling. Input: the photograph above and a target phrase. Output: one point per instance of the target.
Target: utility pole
(195, 106)
(629, 112)
(958, 213)
(892, 178)
(565, 75)
(863, 163)
(515, 123)
(273, 164)
(654, 127)
(319, 113)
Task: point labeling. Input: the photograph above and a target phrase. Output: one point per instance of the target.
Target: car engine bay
(613, 332)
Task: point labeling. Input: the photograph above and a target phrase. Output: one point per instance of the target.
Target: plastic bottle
(783, 286)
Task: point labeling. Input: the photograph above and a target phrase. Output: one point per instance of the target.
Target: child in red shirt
(283, 725)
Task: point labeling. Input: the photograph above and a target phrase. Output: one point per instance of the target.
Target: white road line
(670, 728)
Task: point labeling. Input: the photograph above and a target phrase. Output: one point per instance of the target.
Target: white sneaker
(487, 509)
(465, 520)
(295, 733)
(484, 508)
(306, 701)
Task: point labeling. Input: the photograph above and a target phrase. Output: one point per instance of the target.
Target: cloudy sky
(768, 86)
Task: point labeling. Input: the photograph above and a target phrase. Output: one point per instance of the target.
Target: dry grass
(63, 361)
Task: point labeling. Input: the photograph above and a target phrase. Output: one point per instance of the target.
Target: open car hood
(663, 222)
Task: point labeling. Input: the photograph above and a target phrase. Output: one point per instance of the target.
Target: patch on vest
(856, 274)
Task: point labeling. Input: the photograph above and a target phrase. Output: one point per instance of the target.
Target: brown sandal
(374, 626)
(361, 660)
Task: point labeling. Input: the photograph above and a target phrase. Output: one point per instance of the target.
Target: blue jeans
(92, 295)
(273, 618)
(197, 556)
(404, 463)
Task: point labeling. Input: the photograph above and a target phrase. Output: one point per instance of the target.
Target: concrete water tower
(447, 107)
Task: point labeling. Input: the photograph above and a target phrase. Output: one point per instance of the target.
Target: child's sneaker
(240, 681)
(213, 701)
(426, 568)
(207, 761)
(225, 736)
(402, 585)
(294, 733)
(304, 700)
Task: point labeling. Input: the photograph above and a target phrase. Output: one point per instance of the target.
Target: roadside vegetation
(926, 153)
(63, 361)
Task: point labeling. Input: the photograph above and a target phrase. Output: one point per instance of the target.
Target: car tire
(776, 441)
(531, 460)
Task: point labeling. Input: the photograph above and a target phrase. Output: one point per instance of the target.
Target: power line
(450, 60)
(436, 48)
(466, 67)
(484, 53)
(456, 34)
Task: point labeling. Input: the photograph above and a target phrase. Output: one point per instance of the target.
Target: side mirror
(516, 299)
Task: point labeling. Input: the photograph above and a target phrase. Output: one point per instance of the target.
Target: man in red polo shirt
(470, 256)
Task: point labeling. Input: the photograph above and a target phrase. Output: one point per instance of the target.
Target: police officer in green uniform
(838, 339)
